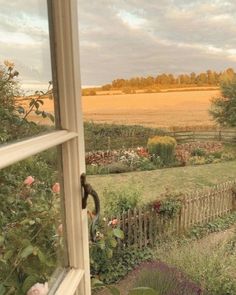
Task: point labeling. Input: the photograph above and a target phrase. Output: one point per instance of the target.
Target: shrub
(29, 212)
(118, 201)
(145, 164)
(227, 156)
(123, 261)
(198, 152)
(197, 160)
(102, 250)
(216, 154)
(169, 206)
(163, 146)
(13, 117)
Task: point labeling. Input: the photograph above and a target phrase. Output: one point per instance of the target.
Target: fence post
(130, 240)
(234, 198)
(140, 228)
(220, 137)
(135, 224)
(150, 224)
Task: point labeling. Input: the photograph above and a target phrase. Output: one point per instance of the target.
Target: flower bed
(140, 159)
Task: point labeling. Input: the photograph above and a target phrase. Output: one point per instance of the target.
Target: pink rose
(113, 222)
(56, 188)
(38, 289)
(29, 180)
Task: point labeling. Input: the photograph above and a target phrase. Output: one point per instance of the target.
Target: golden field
(187, 108)
(165, 109)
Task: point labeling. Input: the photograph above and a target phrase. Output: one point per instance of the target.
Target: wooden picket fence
(142, 227)
(224, 135)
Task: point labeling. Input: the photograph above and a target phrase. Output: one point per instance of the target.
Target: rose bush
(31, 232)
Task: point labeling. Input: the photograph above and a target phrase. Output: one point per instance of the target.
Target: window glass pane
(26, 100)
(32, 246)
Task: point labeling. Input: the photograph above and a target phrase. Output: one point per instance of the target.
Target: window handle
(88, 190)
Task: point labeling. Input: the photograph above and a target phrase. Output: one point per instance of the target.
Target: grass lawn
(153, 183)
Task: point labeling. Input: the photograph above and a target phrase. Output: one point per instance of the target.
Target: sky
(124, 38)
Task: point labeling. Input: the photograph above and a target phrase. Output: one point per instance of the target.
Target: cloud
(125, 38)
(138, 37)
(24, 39)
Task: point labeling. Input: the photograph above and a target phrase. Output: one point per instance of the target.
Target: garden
(32, 244)
(157, 155)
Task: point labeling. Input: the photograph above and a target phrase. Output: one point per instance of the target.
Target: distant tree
(171, 79)
(210, 77)
(163, 80)
(202, 79)
(223, 109)
(227, 75)
(106, 87)
(118, 83)
(193, 78)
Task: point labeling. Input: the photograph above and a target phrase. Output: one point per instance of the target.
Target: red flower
(157, 206)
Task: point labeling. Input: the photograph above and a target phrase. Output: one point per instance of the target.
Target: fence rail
(225, 135)
(142, 227)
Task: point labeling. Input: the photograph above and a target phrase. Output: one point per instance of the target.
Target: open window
(66, 143)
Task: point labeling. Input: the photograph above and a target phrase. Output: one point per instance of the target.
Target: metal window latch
(88, 190)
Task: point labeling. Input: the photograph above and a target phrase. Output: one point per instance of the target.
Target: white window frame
(64, 35)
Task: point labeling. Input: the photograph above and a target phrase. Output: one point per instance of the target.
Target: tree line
(208, 78)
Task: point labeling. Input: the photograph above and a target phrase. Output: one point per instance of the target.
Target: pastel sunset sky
(124, 38)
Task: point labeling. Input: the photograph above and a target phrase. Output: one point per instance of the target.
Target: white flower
(38, 289)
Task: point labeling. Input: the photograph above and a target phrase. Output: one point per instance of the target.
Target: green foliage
(223, 109)
(170, 207)
(102, 250)
(118, 201)
(162, 146)
(198, 152)
(113, 136)
(169, 204)
(98, 285)
(145, 164)
(197, 160)
(29, 243)
(117, 267)
(13, 117)
(210, 158)
(219, 224)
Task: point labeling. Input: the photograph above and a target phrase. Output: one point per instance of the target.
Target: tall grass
(165, 280)
(208, 264)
